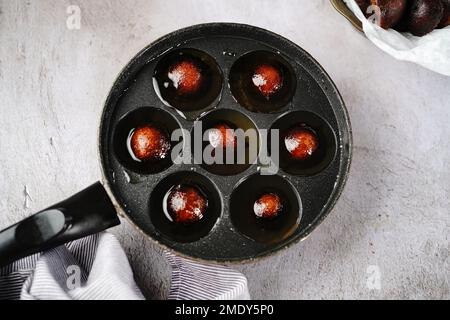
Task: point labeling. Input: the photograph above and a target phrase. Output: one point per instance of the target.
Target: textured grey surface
(393, 218)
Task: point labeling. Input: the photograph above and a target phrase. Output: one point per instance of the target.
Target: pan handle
(88, 212)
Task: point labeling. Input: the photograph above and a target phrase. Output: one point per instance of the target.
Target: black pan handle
(88, 212)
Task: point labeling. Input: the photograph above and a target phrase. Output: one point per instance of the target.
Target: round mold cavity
(262, 81)
(153, 117)
(188, 80)
(240, 142)
(318, 158)
(243, 211)
(179, 232)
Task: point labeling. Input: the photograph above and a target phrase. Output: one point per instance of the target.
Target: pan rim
(347, 155)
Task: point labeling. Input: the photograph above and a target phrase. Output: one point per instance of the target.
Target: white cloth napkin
(97, 268)
(431, 51)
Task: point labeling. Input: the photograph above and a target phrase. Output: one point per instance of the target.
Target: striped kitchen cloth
(96, 267)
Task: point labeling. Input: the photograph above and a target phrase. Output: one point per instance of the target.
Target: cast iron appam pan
(229, 230)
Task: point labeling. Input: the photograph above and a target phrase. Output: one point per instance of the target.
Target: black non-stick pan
(227, 233)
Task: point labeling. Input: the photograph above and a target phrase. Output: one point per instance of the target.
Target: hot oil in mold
(232, 140)
(262, 81)
(228, 144)
(148, 143)
(148, 149)
(265, 209)
(189, 80)
(185, 206)
(142, 141)
(307, 143)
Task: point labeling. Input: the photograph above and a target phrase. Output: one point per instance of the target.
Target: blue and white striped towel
(96, 267)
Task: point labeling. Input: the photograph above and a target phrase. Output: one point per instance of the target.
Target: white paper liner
(431, 51)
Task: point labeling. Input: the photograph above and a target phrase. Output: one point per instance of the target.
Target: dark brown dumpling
(148, 143)
(391, 10)
(268, 206)
(268, 80)
(445, 21)
(222, 135)
(186, 204)
(186, 77)
(301, 142)
(421, 17)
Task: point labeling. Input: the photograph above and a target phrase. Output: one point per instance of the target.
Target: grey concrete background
(393, 216)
